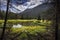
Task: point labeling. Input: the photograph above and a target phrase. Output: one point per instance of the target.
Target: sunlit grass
(30, 29)
(17, 21)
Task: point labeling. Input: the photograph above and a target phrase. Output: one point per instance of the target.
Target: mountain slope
(35, 12)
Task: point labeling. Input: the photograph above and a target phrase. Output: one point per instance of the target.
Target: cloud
(28, 5)
(34, 3)
(3, 4)
(22, 5)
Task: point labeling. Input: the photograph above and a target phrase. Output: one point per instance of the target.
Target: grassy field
(27, 24)
(33, 31)
(14, 21)
(29, 27)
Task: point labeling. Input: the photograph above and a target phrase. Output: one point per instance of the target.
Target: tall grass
(36, 26)
(25, 21)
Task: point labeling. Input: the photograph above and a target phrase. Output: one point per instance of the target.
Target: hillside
(40, 10)
(45, 11)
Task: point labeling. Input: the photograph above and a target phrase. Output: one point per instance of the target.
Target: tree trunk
(4, 26)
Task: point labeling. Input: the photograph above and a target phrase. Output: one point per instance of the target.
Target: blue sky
(19, 6)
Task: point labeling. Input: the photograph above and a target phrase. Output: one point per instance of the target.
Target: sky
(18, 6)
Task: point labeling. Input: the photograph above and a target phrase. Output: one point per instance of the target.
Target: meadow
(29, 27)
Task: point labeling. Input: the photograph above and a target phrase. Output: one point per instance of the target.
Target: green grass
(36, 26)
(39, 25)
(30, 29)
(17, 21)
